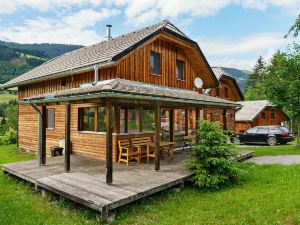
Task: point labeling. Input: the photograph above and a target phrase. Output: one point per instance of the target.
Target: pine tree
(258, 72)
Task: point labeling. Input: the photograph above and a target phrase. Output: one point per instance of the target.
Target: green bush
(213, 158)
(10, 137)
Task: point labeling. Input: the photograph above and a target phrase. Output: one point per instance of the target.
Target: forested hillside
(16, 59)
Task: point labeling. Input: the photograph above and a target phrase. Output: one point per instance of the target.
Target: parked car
(271, 135)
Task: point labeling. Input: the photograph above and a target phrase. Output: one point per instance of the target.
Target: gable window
(263, 115)
(272, 116)
(179, 70)
(226, 92)
(92, 119)
(155, 63)
(50, 118)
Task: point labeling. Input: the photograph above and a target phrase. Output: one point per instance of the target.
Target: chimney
(96, 76)
(108, 26)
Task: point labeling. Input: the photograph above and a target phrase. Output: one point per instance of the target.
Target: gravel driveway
(277, 159)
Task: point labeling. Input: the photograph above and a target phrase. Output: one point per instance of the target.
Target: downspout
(34, 106)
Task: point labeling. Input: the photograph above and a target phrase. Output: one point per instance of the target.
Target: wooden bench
(165, 146)
(127, 153)
(140, 143)
(189, 140)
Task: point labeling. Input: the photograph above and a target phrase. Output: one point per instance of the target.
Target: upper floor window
(272, 116)
(263, 115)
(226, 95)
(155, 63)
(50, 118)
(179, 70)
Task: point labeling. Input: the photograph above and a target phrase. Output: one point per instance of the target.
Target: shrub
(213, 158)
(10, 137)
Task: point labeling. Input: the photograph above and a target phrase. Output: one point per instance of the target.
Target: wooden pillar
(140, 119)
(43, 135)
(109, 149)
(171, 125)
(126, 120)
(224, 119)
(197, 122)
(186, 121)
(157, 137)
(67, 137)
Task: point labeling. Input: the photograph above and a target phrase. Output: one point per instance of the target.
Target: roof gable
(250, 109)
(104, 53)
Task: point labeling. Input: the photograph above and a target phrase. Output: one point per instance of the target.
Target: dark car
(271, 135)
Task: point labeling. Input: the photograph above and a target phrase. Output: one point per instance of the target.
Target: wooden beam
(157, 137)
(43, 135)
(126, 120)
(67, 136)
(186, 122)
(171, 124)
(197, 122)
(140, 119)
(117, 111)
(109, 147)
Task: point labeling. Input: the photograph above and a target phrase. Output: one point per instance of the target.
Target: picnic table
(163, 149)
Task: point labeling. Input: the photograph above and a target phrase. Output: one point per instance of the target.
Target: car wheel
(236, 140)
(272, 141)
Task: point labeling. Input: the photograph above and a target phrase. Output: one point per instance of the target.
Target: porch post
(67, 136)
(140, 119)
(43, 135)
(126, 120)
(186, 121)
(224, 119)
(197, 122)
(171, 125)
(157, 137)
(109, 165)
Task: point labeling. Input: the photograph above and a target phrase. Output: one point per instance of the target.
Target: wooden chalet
(137, 85)
(258, 113)
(227, 89)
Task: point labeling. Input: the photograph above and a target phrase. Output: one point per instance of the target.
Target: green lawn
(288, 149)
(268, 195)
(7, 97)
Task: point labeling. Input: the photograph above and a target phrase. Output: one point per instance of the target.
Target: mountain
(16, 59)
(241, 76)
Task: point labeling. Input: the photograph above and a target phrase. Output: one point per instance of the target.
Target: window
(274, 130)
(226, 92)
(272, 116)
(63, 82)
(209, 117)
(179, 70)
(217, 91)
(262, 131)
(252, 130)
(155, 63)
(92, 119)
(263, 115)
(148, 120)
(133, 121)
(50, 118)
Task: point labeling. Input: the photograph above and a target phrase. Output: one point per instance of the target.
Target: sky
(231, 33)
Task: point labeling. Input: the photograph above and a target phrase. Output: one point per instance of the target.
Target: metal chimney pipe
(108, 26)
(96, 76)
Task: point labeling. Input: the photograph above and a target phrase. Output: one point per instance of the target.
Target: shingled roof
(250, 109)
(129, 89)
(105, 52)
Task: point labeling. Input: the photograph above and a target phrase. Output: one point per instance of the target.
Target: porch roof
(120, 88)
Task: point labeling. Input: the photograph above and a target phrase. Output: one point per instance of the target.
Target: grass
(288, 149)
(267, 195)
(7, 97)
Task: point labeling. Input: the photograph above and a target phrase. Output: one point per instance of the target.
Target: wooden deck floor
(85, 184)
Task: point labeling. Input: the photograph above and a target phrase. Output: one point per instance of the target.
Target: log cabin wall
(216, 114)
(242, 126)
(233, 94)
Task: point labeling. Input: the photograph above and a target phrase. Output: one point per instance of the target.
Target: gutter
(59, 74)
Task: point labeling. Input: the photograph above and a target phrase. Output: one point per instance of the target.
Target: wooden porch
(85, 183)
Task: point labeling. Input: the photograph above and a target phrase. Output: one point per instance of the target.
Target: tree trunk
(298, 133)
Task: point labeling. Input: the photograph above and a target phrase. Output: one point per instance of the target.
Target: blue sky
(231, 33)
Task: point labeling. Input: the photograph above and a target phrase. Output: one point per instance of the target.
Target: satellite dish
(198, 82)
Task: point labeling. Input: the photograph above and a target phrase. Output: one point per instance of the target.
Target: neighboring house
(258, 113)
(227, 89)
(94, 96)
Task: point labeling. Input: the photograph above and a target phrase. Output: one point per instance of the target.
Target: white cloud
(241, 53)
(71, 29)
(138, 12)
(11, 6)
